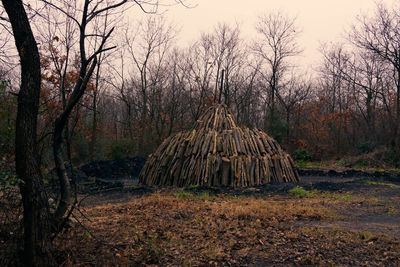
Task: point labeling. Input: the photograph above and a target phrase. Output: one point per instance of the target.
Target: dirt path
(373, 205)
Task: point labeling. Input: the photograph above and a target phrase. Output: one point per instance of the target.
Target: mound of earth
(125, 168)
(101, 174)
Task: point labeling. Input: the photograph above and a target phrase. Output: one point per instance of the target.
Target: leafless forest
(86, 80)
(145, 87)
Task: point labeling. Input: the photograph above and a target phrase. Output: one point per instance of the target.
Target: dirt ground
(322, 220)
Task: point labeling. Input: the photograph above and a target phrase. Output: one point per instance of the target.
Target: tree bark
(93, 139)
(37, 227)
(60, 123)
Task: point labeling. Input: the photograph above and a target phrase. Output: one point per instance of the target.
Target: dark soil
(125, 168)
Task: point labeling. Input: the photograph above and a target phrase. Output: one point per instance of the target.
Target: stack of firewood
(218, 152)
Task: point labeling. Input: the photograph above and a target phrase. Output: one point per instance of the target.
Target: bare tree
(334, 88)
(245, 91)
(176, 104)
(87, 66)
(8, 55)
(147, 48)
(359, 75)
(201, 64)
(100, 30)
(334, 71)
(57, 36)
(37, 225)
(276, 45)
(380, 35)
(296, 92)
(227, 47)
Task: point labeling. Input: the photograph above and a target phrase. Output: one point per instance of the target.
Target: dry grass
(172, 229)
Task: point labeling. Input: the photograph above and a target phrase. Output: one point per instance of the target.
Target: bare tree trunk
(396, 136)
(60, 124)
(93, 139)
(37, 228)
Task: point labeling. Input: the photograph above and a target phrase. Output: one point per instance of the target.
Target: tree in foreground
(37, 227)
(40, 226)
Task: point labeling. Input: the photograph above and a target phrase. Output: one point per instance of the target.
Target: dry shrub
(379, 158)
(10, 225)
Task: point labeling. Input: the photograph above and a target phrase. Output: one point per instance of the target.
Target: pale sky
(319, 20)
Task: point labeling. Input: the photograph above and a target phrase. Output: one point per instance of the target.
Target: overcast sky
(319, 20)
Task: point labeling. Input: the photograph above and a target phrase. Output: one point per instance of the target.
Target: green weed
(335, 196)
(383, 183)
(184, 194)
(205, 196)
(188, 195)
(392, 211)
(299, 192)
(229, 196)
(193, 186)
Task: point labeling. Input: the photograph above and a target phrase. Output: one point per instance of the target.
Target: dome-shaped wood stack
(218, 152)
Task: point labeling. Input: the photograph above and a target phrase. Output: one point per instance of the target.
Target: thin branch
(101, 46)
(4, 19)
(182, 2)
(142, 8)
(95, 13)
(62, 11)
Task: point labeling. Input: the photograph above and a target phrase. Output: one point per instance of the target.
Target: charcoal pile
(101, 174)
(125, 168)
(218, 152)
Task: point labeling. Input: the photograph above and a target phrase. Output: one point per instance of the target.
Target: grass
(392, 211)
(194, 196)
(300, 192)
(346, 196)
(205, 196)
(193, 186)
(347, 163)
(307, 164)
(184, 194)
(383, 184)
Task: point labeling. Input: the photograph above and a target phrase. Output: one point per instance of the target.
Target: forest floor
(322, 220)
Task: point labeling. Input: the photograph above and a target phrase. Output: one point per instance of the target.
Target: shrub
(117, 151)
(8, 179)
(392, 156)
(121, 149)
(302, 154)
(365, 147)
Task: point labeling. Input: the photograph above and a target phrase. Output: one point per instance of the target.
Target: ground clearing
(321, 221)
